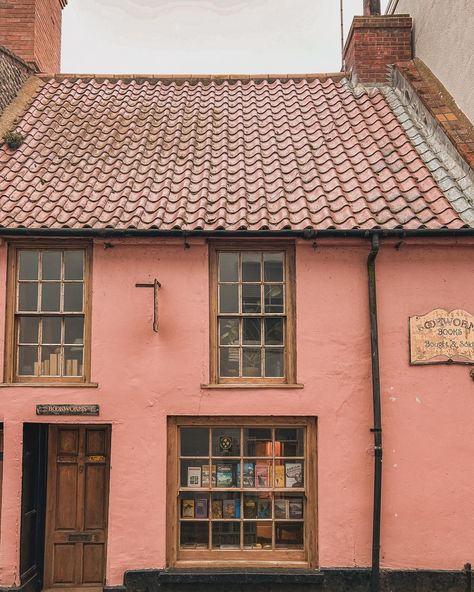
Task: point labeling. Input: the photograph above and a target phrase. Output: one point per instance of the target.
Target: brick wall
(376, 41)
(32, 30)
(13, 74)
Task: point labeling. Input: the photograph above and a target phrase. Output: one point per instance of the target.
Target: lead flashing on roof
(452, 173)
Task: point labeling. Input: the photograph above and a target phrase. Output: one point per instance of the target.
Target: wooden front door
(77, 504)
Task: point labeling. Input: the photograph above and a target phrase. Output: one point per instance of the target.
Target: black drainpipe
(377, 429)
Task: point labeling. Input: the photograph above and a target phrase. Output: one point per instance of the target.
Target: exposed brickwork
(32, 30)
(376, 41)
(442, 107)
(13, 74)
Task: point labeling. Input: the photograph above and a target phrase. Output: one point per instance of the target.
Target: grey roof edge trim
(454, 176)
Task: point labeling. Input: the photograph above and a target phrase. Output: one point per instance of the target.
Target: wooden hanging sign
(442, 337)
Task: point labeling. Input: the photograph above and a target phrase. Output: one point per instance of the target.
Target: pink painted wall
(143, 377)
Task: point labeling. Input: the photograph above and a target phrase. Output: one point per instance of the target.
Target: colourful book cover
(264, 508)
(279, 476)
(296, 508)
(250, 508)
(228, 508)
(262, 475)
(237, 508)
(281, 509)
(200, 508)
(217, 508)
(249, 474)
(225, 476)
(194, 476)
(205, 478)
(294, 474)
(188, 508)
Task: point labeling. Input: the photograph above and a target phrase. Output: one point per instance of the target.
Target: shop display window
(244, 490)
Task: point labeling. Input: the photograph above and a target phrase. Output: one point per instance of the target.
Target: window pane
(273, 265)
(51, 296)
(289, 507)
(263, 474)
(194, 504)
(73, 297)
(274, 331)
(226, 535)
(73, 361)
(274, 362)
(51, 330)
(227, 473)
(73, 330)
(28, 265)
(288, 535)
(289, 442)
(251, 298)
(229, 331)
(28, 297)
(273, 298)
(257, 535)
(226, 442)
(193, 472)
(194, 535)
(251, 264)
(251, 362)
(50, 360)
(73, 265)
(229, 298)
(228, 267)
(258, 442)
(28, 330)
(225, 505)
(194, 441)
(51, 265)
(229, 361)
(252, 331)
(27, 359)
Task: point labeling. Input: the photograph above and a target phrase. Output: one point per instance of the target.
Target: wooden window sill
(49, 384)
(248, 385)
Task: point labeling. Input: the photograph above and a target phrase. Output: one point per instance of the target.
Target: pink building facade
(143, 378)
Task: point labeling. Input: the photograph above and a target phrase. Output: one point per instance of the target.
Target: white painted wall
(444, 41)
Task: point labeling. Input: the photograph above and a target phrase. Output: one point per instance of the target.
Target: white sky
(204, 36)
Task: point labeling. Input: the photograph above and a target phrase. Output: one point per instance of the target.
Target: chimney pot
(371, 7)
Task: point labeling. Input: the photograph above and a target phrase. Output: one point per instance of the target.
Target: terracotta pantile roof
(209, 154)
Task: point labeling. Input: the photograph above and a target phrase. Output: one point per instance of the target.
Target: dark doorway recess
(33, 504)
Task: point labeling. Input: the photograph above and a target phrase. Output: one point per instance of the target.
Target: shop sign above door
(442, 337)
(66, 409)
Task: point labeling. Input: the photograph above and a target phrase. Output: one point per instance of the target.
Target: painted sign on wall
(440, 337)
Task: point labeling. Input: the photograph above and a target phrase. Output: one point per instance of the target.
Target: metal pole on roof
(343, 65)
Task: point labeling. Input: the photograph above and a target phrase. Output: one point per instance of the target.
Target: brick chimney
(376, 41)
(31, 29)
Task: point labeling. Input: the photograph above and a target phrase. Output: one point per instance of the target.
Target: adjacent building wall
(444, 39)
(143, 377)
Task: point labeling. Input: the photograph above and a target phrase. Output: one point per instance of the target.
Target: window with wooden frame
(252, 313)
(242, 491)
(48, 320)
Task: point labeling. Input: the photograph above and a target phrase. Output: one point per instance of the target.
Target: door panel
(78, 481)
(33, 505)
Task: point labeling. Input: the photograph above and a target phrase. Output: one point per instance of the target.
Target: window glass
(251, 313)
(49, 283)
(248, 488)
